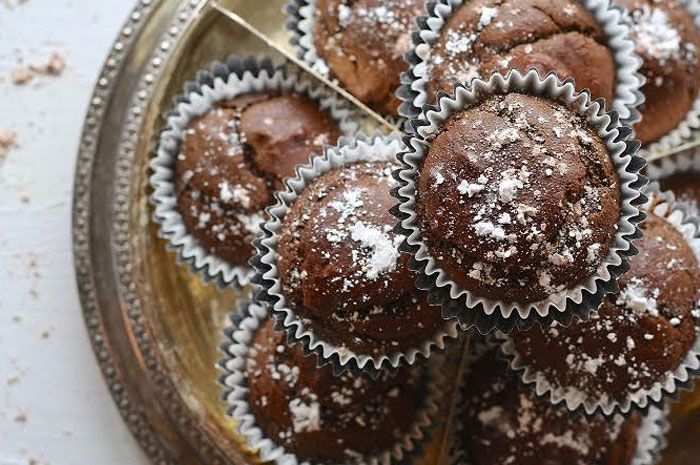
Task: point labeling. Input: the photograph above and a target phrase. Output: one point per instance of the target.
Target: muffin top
(234, 156)
(517, 198)
(638, 336)
(363, 43)
(505, 423)
(686, 188)
(340, 267)
(485, 36)
(669, 44)
(319, 416)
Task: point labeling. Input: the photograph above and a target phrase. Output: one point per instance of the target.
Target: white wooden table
(54, 406)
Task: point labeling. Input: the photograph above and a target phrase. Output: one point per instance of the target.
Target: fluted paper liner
(238, 339)
(644, 398)
(223, 81)
(363, 148)
(487, 314)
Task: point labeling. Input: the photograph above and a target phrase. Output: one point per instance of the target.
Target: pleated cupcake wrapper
(236, 346)
(300, 22)
(688, 128)
(642, 399)
(223, 81)
(651, 436)
(628, 81)
(651, 439)
(487, 314)
(363, 148)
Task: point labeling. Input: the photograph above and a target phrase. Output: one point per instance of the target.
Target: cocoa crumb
(21, 417)
(54, 66)
(8, 141)
(21, 75)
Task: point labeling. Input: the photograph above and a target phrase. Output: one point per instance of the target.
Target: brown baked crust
(686, 188)
(485, 36)
(363, 43)
(335, 417)
(517, 198)
(340, 267)
(669, 44)
(505, 423)
(234, 156)
(638, 336)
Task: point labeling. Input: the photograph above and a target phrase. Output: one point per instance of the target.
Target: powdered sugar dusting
(384, 250)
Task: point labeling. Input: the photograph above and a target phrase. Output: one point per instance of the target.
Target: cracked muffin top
(233, 157)
(486, 36)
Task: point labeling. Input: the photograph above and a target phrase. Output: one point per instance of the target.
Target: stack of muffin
(512, 205)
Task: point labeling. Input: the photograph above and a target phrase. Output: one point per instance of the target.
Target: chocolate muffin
(234, 156)
(668, 42)
(363, 43)
(517, 199)
(340, 268)
(320, 417)
(686, 188)
(504, 423)
(485, 36)
(638, 336)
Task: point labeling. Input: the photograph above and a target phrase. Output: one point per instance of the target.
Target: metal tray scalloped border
(132, 411)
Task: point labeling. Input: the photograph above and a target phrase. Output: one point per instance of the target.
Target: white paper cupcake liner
(651, 439)
(651, 436)
(686, 129)
(414, 90)
(300, 21)
(238, 339)
(362, 148)
(223, 81)
(642, 399)
(487, 314)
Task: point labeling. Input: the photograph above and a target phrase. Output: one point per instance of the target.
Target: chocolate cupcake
(340, 282)
(635, 343)
(292, 412)
(362, 44)
(340, 267)
(229, 143)
(486, 36)
(668, 41)
(584, 40)
(318, 416)
(513, 201)
(234, 156)
(518, 198)
(504, 422)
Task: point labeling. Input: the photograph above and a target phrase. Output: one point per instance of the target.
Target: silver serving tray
(154, 327)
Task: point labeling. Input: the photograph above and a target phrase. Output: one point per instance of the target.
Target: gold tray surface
(154, 327)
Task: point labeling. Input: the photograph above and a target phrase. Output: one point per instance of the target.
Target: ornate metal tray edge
(93, 290)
